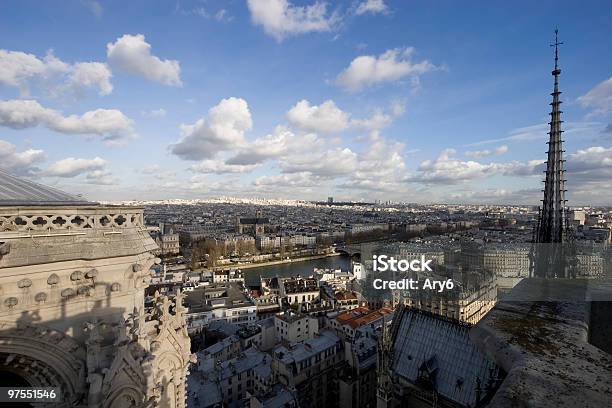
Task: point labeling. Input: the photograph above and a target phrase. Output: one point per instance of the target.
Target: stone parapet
(35, 235)
(540, 337)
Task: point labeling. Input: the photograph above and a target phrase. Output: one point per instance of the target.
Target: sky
(367, 100)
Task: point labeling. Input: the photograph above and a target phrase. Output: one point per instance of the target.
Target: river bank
(302, 267)
(278, 262)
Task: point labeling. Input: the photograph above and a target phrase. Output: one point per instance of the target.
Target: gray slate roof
(427, 342)
(19, 191)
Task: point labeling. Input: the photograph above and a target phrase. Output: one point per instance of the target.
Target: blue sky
(414, 101)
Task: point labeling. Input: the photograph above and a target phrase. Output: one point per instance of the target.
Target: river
(303, 268)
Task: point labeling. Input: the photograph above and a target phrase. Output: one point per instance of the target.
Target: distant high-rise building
(550, 257)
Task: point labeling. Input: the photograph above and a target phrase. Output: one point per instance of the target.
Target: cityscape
(320, 265)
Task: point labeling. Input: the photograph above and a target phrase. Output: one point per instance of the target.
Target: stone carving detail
(53, 279)
(11, 302)
(68, 292)
(144, 363)
(128, 218)
(47, 356)
(24, 283)
(5, 247)
(152, 346)
(76, 276)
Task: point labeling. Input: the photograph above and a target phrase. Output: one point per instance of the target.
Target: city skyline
(358, 100)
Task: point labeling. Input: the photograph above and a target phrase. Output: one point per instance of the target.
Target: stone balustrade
(19, 220)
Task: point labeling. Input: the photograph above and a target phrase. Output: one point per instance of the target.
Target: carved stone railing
(43, 234)
(19, 220)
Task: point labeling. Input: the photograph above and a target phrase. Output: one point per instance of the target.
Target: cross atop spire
(556, 71)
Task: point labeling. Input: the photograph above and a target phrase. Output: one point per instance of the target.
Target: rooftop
(306, 349)
(206, 298)
(290, 316)
(361, 316)
(17, 191)
(431, 347)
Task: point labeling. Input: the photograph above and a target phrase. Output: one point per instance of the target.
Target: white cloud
(477, 154)
(324, 118)
(16, 68)
(90, 74)
(377, 121)
(448, 170)
(223, 16)
(327, 164)
(111, 124)
(299, 180)
(95, 7)
(154, 113)
(371, 6)
(156, 171)
(72, 167)
(599, 98)
(94, 170)
(392, 65)
(19, 69)
(281, 142)
(590, 164)
(22, 163)
(132, 54)
(152, 169)
(223, 130)
(101, 177)
(496, 196)
(381, 166)
(529, 168)
(221, 167)
(329, 118)
(540, 132)
(281, 19)
(398, 107)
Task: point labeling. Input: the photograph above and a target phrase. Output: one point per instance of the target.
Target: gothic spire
(550, 258)
(553, 216)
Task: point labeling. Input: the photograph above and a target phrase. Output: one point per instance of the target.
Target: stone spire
(551, 231)
(384, 392)
(553, 214)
